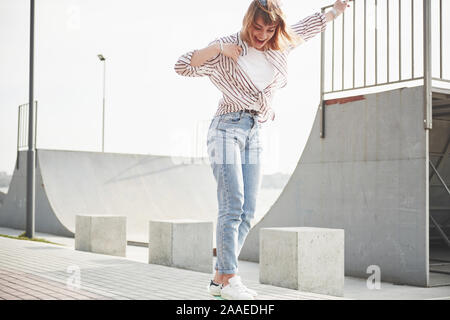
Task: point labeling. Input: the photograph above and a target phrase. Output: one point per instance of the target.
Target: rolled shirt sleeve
(183, 66)
(310, 26)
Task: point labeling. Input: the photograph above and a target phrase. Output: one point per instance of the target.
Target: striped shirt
(239, 92)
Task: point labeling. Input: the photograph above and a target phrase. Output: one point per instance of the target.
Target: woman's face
(261, 33)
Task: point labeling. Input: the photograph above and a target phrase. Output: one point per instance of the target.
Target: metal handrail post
(104, 102)
(18, 137)
(322, 84)
(427, 65)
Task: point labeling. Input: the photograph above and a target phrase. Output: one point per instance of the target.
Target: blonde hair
(271, 14)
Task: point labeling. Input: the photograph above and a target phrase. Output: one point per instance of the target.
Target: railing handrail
(427, 76)
(389, 81)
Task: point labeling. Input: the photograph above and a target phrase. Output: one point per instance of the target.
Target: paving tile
(101, 277)
(7, 296)
(29, 297)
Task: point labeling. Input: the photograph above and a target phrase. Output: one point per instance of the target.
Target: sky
(149, 108)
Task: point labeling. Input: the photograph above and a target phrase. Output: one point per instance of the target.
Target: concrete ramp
(369, 176)
(139, 187)
(2, 197)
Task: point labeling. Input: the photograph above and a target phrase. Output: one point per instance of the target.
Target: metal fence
(22, 128)
(379, 43)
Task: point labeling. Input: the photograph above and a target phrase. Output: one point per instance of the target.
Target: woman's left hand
(340, 6)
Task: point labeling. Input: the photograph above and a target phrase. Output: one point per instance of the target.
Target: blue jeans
(234, 149)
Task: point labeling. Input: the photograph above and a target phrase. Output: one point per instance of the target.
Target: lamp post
(31, 152)
(103, 59)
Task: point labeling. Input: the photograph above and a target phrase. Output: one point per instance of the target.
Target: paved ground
(24, 276)
(32, 270)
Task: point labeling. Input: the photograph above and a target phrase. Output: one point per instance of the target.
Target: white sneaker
(214, 289)
(235, 290)
(252, 292)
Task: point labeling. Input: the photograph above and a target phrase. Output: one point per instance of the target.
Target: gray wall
(369, 177)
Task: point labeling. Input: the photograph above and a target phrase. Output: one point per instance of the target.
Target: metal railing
(22, 128)
(442, 160)
(447, 188)
(370, 26)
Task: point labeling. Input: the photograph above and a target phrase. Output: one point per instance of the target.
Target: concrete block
(101, 234)
(305, 259)
(185, 244)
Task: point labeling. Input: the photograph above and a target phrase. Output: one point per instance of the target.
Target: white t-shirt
(257, 67)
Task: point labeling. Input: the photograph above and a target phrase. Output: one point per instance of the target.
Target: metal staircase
(439, 181)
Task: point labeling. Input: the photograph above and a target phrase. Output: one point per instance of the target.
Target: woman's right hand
(232, 51)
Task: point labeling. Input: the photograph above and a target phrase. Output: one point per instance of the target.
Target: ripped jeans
(234, 149)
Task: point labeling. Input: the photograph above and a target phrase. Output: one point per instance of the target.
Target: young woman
(247, 67)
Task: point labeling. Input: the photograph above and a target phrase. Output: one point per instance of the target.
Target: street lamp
(103, 59)
(31, 152)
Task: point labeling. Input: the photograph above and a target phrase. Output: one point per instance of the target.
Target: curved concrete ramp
(139, 187)
(369, 176)
(2, 197)
(13, 210)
